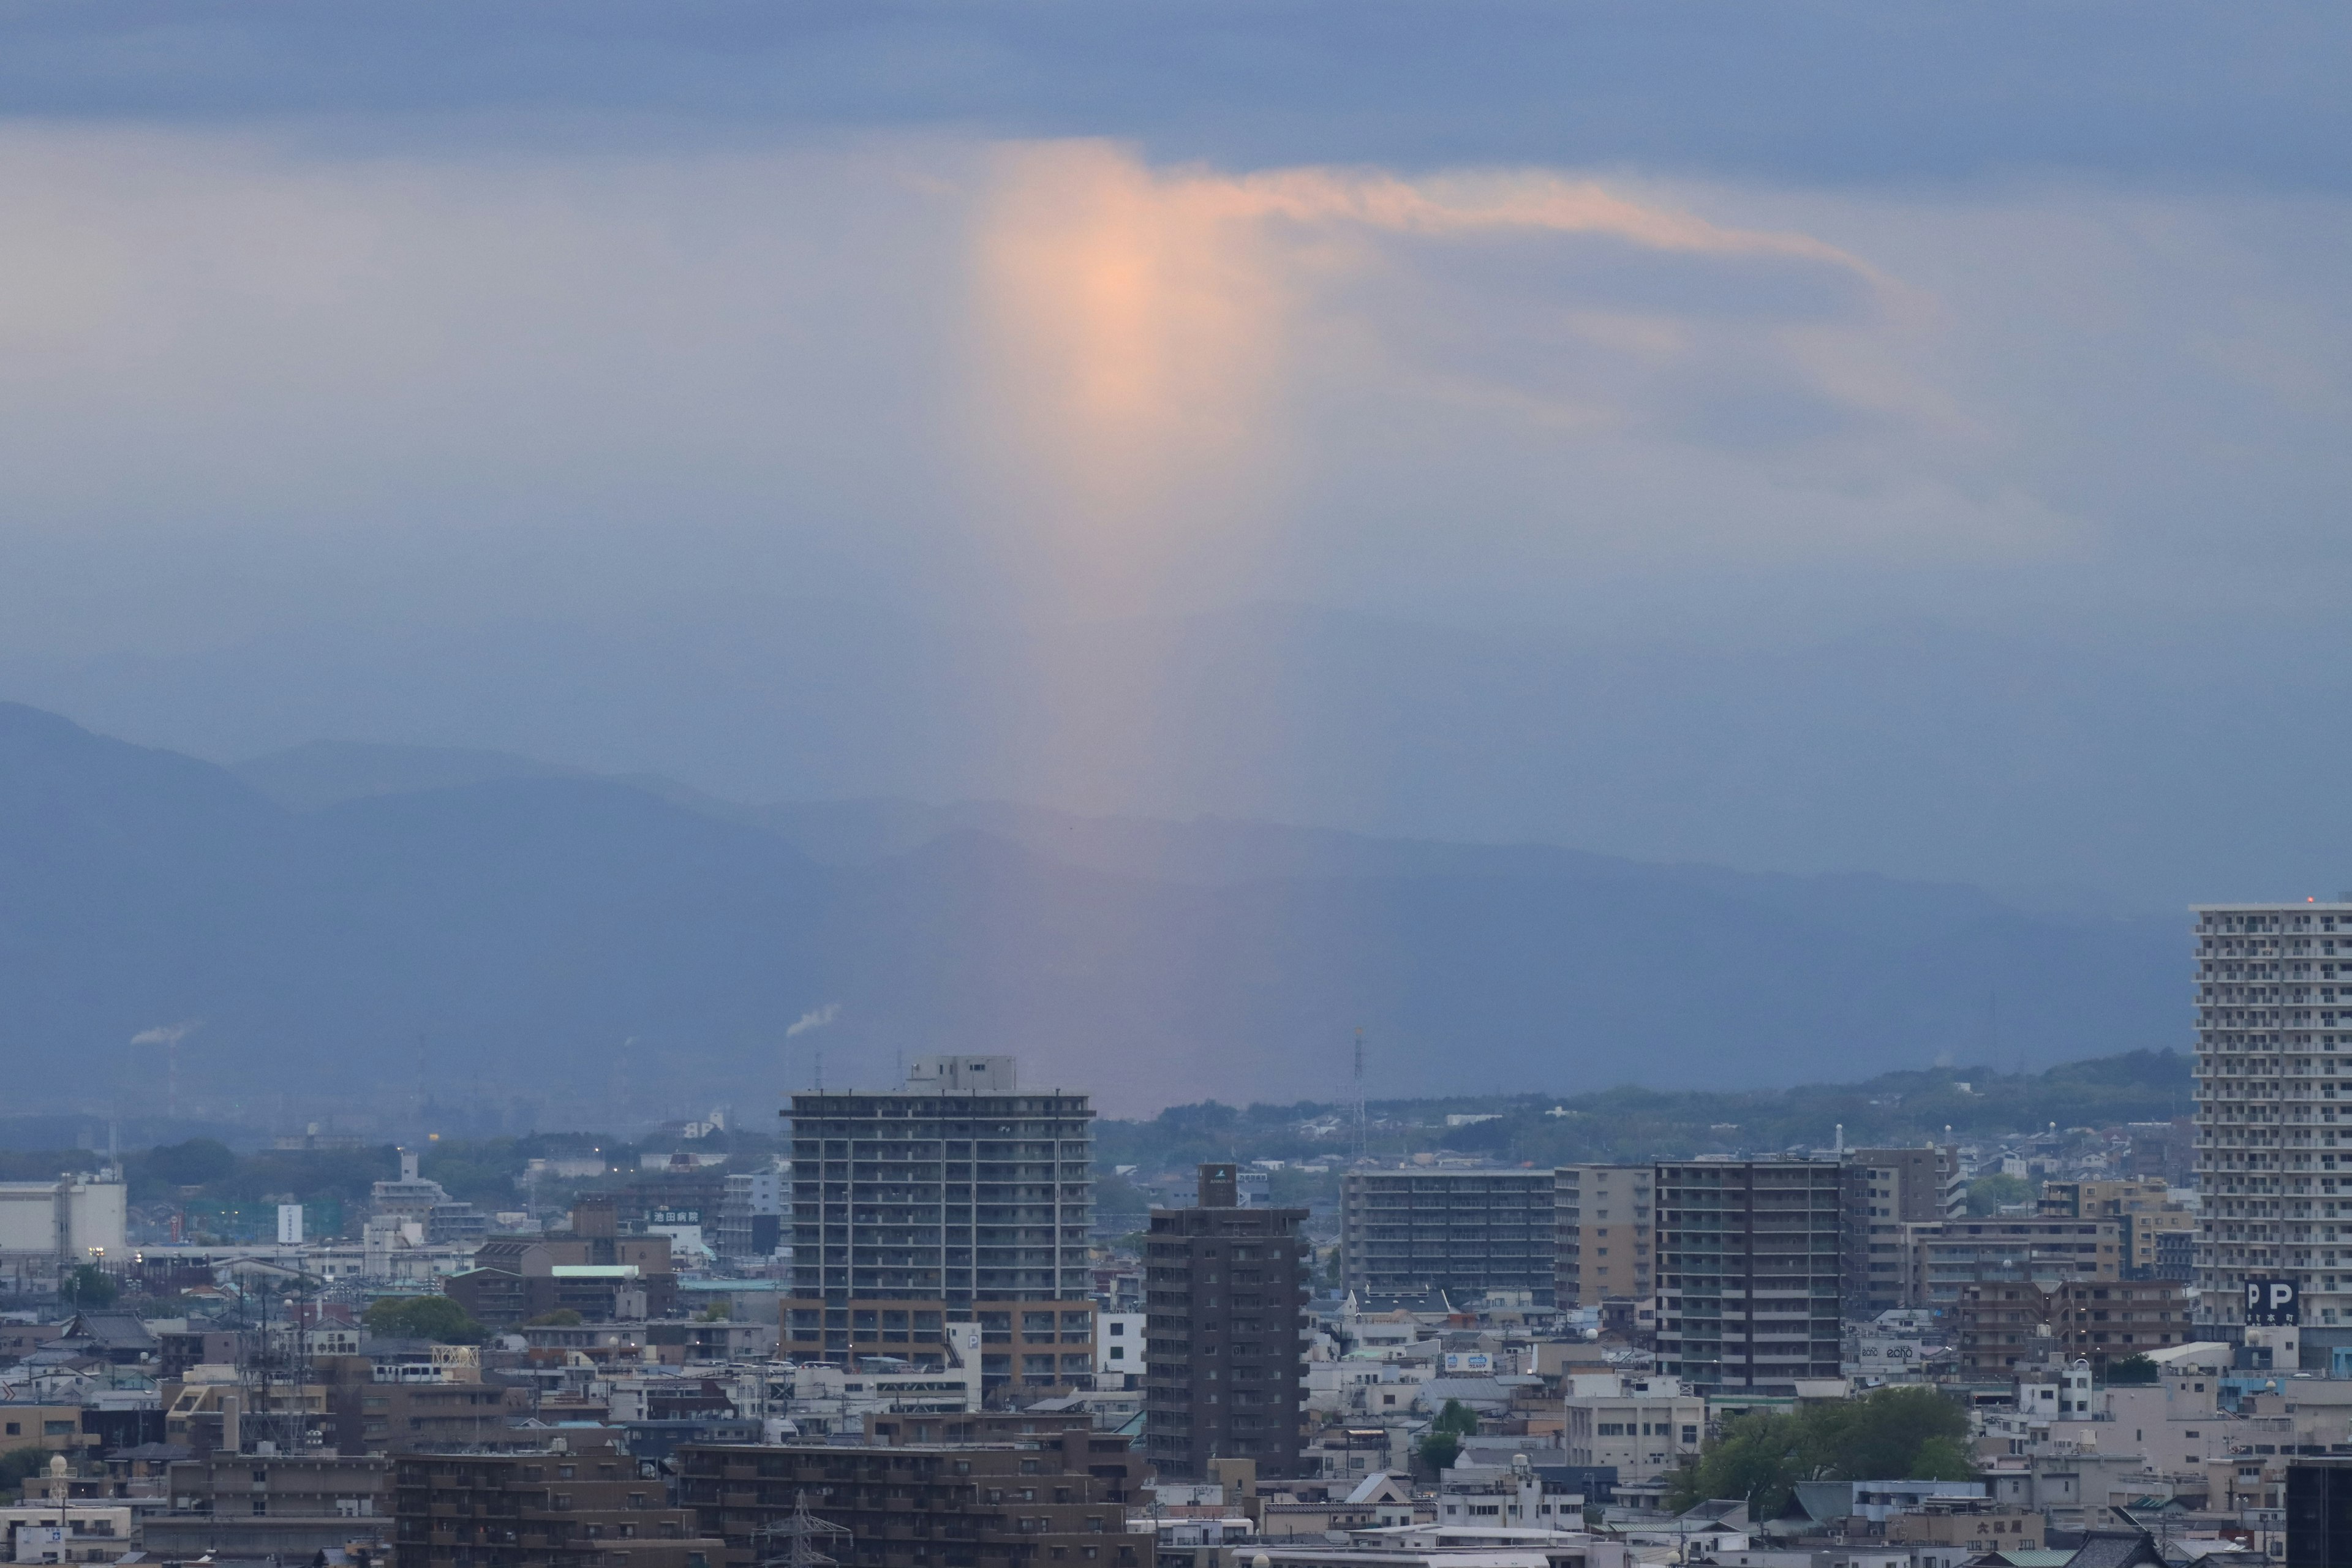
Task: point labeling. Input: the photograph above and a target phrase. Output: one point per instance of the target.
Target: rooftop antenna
(1359, 1106)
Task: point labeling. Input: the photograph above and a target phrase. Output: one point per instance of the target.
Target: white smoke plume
(166, 1034)
(816, 1018)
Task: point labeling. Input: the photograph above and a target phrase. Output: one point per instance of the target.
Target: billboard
(2273, 1302)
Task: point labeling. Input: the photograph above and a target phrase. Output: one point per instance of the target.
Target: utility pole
(799, 1533)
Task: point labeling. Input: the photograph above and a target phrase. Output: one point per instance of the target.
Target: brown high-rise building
(1604, 1246)
(1225, 1288)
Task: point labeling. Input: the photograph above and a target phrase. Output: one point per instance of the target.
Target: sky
(1814, 438)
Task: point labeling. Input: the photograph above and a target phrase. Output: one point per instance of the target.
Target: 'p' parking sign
(2273, 1302)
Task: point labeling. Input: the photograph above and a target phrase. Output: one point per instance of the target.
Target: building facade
(1947, 1258)
(1886, 1190)
(1057, 1495)
(1410, 1231)
(1644, 1426)
(1751, 1257)
(559, 1506)
(2142, 1208)
(1604, 1234)
(942, 1202)
(1226, 1293)
(2000, 1327)
(2270, 1039)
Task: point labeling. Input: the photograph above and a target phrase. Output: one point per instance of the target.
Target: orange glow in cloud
(1137, 328)
(1133, 334)
(1139, 331)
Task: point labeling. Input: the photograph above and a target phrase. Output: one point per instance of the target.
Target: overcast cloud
(916, 399)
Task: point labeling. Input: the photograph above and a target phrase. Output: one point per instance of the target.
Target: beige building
(1606, 1234)
(2142, 1208)
(1646, 1427)
(1948, 1257)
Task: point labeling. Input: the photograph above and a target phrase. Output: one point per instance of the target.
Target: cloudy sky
(1810, 437)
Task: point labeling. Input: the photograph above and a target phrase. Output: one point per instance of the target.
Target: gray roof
(2115, 1549)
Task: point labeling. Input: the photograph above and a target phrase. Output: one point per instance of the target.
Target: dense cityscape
(938, 1324)
(1175, 784)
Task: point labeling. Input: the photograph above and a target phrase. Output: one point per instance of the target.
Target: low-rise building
(1643, 1427)
(261, 1504)
(558, 1506)
(2001, 1326)
(1056, 1497)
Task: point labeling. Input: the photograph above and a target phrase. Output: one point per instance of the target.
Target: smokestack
(231, 1424)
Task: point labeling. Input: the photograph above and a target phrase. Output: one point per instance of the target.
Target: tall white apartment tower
(2274, 1076)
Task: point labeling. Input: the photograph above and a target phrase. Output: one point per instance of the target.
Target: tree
(194, 1164)
(89, 1285)
(1988, 1195)
(1941, 1459)
(436, 1318)
(2133, 1371)
(1890, 1433)
(18, 1464)
(1439, 1450)
(1456, 1418)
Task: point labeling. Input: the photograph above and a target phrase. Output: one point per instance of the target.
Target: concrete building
(2142, 1208)
(1998, 1327)
(1057, 1493)
(1644, 1426)
(593, 1268)
(1120, 1358)
(559, 1506)
(1886, 1190)
(960, 1196)
(1751, 1255)
(1226, 1289)
(1604, 1234)
(369, 1408)
(1947, 1259)
(2270, 1044)
(73, 1220)
(1410, 1231)
(752, 1214)
(260, 1504)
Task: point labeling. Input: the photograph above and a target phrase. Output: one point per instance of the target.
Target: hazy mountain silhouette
(467, 922)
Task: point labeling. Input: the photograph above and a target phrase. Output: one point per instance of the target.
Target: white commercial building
(1645, 1425)
(72, 1220)
(2274, 1158)
(1118, 1347)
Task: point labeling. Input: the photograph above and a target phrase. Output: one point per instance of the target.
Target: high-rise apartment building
(1225, 1290)
(1605, 1234)
(1407, 1232)
(1750, 1281)
(2270, 1044)
(1885, 1191)
(961, 1197)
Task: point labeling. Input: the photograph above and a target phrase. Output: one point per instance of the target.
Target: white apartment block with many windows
(2274, 1105)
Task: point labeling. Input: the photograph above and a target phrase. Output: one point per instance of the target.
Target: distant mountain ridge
(454, 925)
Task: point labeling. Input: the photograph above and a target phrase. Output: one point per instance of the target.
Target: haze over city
(1175, 784)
